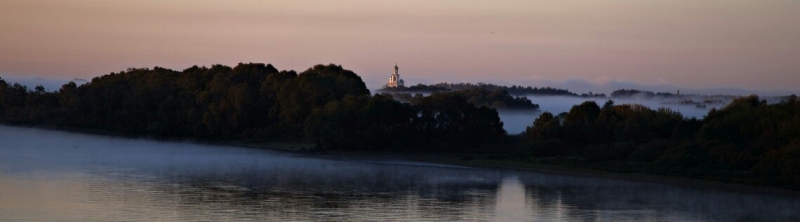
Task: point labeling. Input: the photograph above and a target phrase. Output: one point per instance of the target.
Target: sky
(689, 44)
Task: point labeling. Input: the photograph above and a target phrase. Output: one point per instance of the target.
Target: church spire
(394, 79)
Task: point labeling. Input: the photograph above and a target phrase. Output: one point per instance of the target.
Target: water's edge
(457, 160)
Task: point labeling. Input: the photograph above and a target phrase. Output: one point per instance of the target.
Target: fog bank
(515, 122)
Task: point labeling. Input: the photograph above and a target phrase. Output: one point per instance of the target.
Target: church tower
(394, 79)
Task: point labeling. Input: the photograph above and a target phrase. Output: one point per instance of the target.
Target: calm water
(48, 175)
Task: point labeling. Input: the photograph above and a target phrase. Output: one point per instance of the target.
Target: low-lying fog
(515, 121)
(49, 175)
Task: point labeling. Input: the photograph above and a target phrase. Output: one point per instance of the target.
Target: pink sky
(732, 43)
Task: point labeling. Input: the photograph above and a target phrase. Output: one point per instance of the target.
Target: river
(50, 175)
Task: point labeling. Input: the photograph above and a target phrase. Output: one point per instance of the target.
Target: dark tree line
(440, 122)
(414, 88)
(748, 141)
(625, 93)
(326, 104)
(497, 99)
(513, 90)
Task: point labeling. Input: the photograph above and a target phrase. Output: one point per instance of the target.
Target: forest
(326, 104)
(625, 93)
(512, 90)
(497, 99)
(748, 141)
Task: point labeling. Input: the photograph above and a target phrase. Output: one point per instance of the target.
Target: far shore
(484, 161)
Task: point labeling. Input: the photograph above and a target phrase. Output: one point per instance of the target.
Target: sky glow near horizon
(695, 44)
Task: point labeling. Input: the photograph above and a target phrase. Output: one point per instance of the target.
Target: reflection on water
(47, 175)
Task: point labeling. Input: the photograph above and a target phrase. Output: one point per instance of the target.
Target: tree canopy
(326, 103)
(749, 140)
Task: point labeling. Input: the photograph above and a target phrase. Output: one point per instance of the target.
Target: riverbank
(486, 161)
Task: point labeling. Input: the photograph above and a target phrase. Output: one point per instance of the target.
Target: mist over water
(515, 122)
(50, 175)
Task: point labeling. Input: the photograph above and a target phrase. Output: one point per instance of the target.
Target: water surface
(49, 175)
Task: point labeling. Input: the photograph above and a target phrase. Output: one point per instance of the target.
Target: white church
(394, 79)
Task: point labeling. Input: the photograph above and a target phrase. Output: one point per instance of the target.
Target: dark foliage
(513, 90)
(498, 99)
(415, 88)
(747, 141)
(326, 104)
(625, 93)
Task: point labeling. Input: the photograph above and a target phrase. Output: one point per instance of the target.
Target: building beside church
(394, 79)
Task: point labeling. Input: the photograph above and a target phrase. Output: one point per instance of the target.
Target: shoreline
(468, 160)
